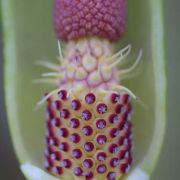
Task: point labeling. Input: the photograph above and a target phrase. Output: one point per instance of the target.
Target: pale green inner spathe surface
(29, 36)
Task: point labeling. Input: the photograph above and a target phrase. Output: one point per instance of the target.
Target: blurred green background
(168, 167)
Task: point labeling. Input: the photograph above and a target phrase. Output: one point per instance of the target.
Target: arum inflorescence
(89, 127)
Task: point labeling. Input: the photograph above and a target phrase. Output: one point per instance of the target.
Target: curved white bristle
(129, 70)
(122, 53)
(48, 65)
(46, 97)
(60, 51)
(51, 74)
(123, 88)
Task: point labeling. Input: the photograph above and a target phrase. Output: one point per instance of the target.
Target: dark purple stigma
(88, 163)
(75, 104)
(63, 132)
(115, 98)
(86, 115)
(113, 118)
(114, 132)
(89, 175)
(57, 105)
(87, 130)
(58, 170)
(102, 108)
(66, 163)
(64, 146)
(77, 153)
(89, 146)
(78, 171)
(101, 169)
(62, 94)
(101, 156)
(119, 109)
(100, 123)
(101, 139)
(75, 138)
(111, 176)
(90, 98)
(113, 148)
(56, 122)
(65, 113)
(74, 123)
(55, 156)
(114, 162)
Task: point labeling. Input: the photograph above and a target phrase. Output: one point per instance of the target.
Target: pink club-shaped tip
(74, 19)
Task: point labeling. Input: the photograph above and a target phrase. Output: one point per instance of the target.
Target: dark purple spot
(122, 123)
(49, 113)
(65, 113)
(63, 132)
(88, 163)
(53, 141)
(101, 156)
(66, 163)
(89, 146)
(75, 138)
(101, 139)
(48, 124)
(111, 176)
(100, 123)
(55, 156)
(129, 159)
(49, 150)
(75, 104)
(49, 99)
(128, 133)
(124, 168)
(78, 171)
(47, 140)
(102, 108)
(77, 153)
(50, 131)
(121, 141)
(58, 170)
(128, 146)
(89, 175)
(114, 162)
(48, 164)
(126, 98)
(119, 109)
(86, 115)
(128, 108)
(56, 122)
(64, 146)
(113, 118)
(87, 130)
(114, 132)
(121, 154)
(101, 169)
(62, 94)
(57, 105)
(115, 98)
(113, 148)
(90, 98)
(74, 123)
